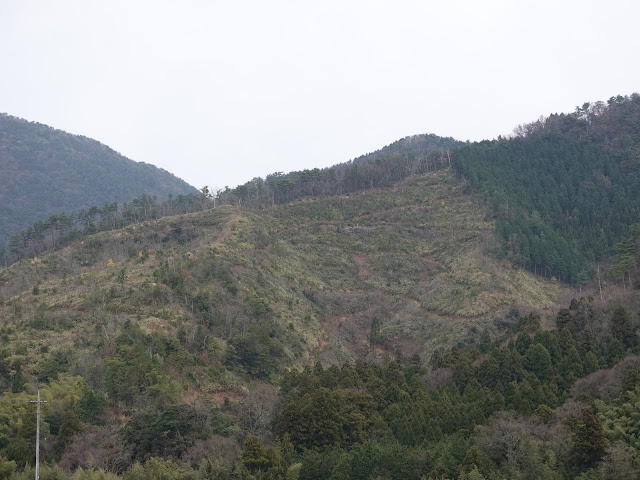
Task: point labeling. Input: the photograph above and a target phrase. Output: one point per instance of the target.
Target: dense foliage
(500, 411)
(564, 190)
(47, 171)
(535, 404)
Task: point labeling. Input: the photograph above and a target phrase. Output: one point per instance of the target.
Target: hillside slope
(402, 269)
(47, 171)
(359, 321)
(565, 189)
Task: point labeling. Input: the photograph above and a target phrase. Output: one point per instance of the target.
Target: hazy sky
(221, 92)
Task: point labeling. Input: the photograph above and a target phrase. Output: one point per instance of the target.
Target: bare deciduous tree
(255, 412)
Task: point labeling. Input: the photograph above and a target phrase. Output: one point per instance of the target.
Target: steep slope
(565, 190)
(402, 269)
(47, 171)
(157, 338)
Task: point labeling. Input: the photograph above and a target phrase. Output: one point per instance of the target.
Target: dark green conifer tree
(589, 441)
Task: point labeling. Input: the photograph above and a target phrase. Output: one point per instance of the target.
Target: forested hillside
(411, 155)
(405, 315)
(47, 171)
(382, 168)
(565, 190)
(510, 410)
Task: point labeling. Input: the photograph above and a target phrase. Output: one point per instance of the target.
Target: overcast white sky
(221, 92)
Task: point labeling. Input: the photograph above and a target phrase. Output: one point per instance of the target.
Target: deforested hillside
(337, 277)
(194, 317)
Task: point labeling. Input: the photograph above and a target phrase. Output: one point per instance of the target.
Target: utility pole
(38, 402)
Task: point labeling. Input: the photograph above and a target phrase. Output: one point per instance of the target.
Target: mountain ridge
(47, 171)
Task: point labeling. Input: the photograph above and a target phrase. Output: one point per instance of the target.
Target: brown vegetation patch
(360, 259)
(605, 384)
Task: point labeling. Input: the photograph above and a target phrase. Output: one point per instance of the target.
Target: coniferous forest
(564, 191)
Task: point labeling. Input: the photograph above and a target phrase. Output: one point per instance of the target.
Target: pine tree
(590, 363)
(538, 361)
(588, 441)
(254, 455)
(621, 328)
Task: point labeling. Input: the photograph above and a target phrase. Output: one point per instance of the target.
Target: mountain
(413, 260)
(47, 171)
(178, 313)
(376, 319)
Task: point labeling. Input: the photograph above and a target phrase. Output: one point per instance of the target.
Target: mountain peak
(46, 171)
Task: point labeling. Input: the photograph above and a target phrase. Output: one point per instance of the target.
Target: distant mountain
(46, 171)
